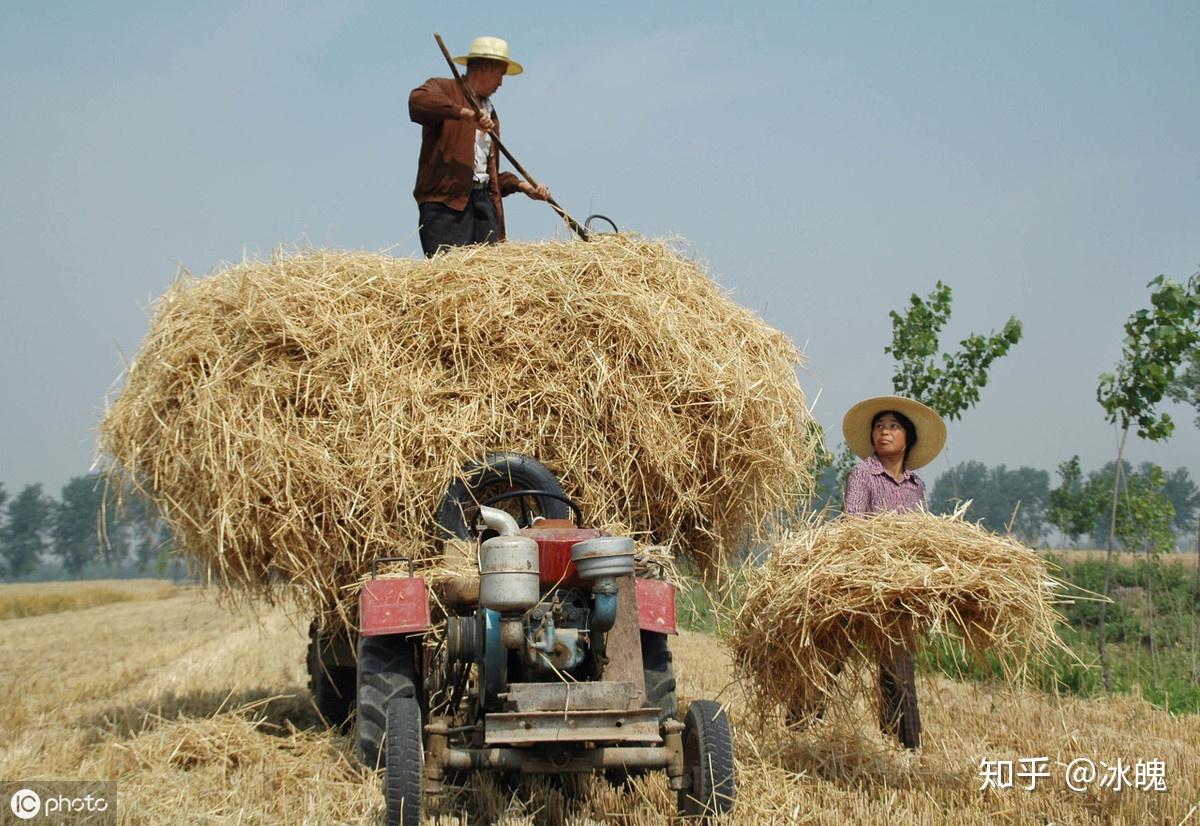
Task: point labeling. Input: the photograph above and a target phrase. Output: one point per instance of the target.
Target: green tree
(952, 387)
(1001, 499)
(1186, 388)
(30, 518)
(1157, 340)
(1147, 525)
(1075, 505)
(1078, 506)
(1146, 515)
(1186, 385)
(1021, 496)
(146, 532)
(1101, 485)
(86, 525)
(1143, 492)
(966, 480)
(1185, 496)
(3, 554)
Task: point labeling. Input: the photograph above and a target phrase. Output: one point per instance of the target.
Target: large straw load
(857, 586)
(294, 418)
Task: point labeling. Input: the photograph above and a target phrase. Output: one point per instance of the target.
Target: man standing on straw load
(894, 436)
(459, 185)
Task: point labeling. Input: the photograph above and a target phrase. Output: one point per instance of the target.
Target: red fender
(656, 606)
(393, 606)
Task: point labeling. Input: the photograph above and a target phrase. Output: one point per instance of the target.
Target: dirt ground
(201, 714)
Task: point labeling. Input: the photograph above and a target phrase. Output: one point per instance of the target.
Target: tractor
(552, 660)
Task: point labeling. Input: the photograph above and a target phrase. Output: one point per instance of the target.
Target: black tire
(899, 714)
(660, 675)
(333, 686)
(385, 673)
(511, 471)
(405, 762)
(708, 758)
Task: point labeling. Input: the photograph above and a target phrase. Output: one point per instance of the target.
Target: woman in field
(894, 436)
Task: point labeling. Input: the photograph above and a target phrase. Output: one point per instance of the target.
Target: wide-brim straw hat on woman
(491, 48)
(931, 430)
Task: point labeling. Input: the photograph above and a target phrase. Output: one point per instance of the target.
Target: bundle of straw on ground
(296, 417)
(863, 585)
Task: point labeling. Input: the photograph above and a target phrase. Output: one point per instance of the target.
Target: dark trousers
(442, 226)
(899, 715)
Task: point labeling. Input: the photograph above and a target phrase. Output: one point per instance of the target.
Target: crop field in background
(36, 598)
(1187, 559)
(202, 715)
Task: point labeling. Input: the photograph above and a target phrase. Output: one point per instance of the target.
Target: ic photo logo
(61, 801)
(25, 804)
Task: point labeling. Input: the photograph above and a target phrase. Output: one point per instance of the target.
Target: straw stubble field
(202, 715)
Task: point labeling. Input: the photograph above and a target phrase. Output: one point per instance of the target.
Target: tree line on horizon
(90, 525)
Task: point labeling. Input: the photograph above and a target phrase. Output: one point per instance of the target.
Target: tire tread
(707, 722)
(404, 771)
(385, 672)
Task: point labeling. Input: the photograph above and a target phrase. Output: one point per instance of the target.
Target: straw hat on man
(893, 435)
(459, 184)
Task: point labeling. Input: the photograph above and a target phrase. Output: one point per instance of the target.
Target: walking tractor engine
(553, 660)
(550, 633)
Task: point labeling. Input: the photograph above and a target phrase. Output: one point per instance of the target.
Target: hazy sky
(825, 160)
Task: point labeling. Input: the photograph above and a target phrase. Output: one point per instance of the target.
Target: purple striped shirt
(871, 489)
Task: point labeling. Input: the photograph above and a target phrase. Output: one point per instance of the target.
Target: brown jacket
(446, 168)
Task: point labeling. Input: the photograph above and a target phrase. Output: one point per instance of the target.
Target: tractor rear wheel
(660, 675)
(386, 672)
(333, 686)
(405, 762)
(708, 759)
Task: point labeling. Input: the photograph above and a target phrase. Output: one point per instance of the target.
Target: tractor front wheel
(708, 759)
(405, 763)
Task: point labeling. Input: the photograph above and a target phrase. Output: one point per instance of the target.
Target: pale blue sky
(825, 160)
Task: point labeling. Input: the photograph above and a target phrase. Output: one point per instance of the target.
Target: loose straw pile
(297, 417)
(866, 584)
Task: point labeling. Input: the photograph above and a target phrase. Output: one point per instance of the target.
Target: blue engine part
(604, 614)
(494, 660)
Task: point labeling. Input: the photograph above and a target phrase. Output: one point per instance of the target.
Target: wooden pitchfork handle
(574, 225)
